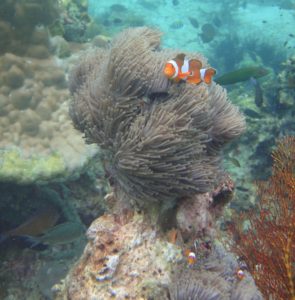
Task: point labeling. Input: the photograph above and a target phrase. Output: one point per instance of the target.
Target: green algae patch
(14, 167)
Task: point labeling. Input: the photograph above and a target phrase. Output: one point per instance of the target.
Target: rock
(124, 259)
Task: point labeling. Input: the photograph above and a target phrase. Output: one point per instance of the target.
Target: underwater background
(53, 185)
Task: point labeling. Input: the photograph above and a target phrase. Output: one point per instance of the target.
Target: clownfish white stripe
(174, 64)
(202, 73)
(185, 66)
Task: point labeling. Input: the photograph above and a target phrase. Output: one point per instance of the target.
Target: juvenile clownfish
(240, 274)
(191, 257)
(190, 70)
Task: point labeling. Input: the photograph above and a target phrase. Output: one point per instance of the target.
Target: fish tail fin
(32, 242)
(209, 73)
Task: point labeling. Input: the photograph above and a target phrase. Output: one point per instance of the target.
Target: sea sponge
(161, 140)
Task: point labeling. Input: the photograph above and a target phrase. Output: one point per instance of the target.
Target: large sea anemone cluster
(161, 140)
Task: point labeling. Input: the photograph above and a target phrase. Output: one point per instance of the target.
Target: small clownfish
(240, 274)
(190, 70)
(191, 257)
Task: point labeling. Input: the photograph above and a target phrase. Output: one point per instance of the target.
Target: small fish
(242, 74)
(190, 257)
(190, 70)
(208, 33)
(60, 234)
(242, 189)
(40, 222)
(176, 24)
(252, 113)
(234, 161)
(194, 22)
(216, 21)
(240, 274)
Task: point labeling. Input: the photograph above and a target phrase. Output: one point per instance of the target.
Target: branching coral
(161, 141)
(268, 246)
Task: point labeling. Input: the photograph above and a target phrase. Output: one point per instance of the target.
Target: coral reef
(38, 142)
(154, 134)
(19, 22)
(265, 238)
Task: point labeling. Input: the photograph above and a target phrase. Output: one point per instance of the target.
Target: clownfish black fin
(180, 56)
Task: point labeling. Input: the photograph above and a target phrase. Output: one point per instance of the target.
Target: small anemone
(189, 285)
(194, 291)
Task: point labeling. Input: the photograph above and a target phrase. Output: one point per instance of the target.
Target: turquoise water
(241, 28)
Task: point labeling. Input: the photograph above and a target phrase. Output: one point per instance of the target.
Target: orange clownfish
(190, 70)
(240, 274)
(191, 257)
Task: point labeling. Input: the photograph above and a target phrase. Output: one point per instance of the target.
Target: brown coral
(161, 141)
(268, 246)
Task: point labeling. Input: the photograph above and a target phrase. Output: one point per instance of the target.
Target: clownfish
(190, 70)
(240, 274)
(190, 257)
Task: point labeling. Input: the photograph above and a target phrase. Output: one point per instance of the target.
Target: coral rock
(124, 259)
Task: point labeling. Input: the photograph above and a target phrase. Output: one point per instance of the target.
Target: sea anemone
(161, 141)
